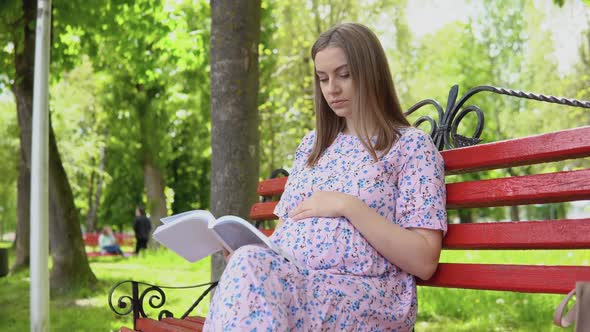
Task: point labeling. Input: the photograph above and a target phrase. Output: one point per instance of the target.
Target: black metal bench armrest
(153, 295)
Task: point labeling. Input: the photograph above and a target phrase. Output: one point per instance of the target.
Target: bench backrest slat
(271, 186)
(549, 234)
(517, 278)
(561, 145)
(520, 190)
(263, 211)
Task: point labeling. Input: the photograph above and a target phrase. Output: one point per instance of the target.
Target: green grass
(88, 310)
(440, 309)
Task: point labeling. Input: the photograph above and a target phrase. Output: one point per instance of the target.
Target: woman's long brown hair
(376, 108)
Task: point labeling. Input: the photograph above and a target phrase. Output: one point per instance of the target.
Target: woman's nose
(333, 87)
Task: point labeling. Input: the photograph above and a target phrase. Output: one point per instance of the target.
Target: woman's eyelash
(343, 75)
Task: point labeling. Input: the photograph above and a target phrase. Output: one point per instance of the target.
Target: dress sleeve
(301, 154)
(421, 202)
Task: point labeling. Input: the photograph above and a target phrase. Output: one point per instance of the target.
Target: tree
(150, 102)
(235, 34)
(137, 89)
(70, 264)
(80, 129)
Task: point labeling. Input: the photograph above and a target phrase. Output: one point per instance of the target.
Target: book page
(188, 235)
(235, 232)
(193, 214)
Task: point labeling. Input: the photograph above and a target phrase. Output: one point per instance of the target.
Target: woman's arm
(280, 222)
(414, 250)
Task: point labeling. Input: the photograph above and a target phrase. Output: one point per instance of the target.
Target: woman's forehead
(330, 59)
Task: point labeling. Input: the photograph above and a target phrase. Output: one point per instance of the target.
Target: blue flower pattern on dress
(348, 285)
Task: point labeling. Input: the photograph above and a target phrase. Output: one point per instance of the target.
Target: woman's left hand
(323, 204)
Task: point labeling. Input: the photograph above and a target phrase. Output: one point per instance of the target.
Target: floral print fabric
(347, 284)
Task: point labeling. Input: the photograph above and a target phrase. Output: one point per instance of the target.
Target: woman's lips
(338, 103)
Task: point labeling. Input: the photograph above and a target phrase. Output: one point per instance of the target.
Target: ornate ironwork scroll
(444, 133)
(153, 295)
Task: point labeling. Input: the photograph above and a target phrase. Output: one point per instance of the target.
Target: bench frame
(518, 190)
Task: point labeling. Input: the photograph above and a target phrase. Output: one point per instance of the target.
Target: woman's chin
(342, 112)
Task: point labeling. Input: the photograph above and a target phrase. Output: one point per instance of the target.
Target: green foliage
(161, 92)
(10, 12)
(188, 169)
(68, 20)
(504, 43)
(9, 147)
(74, 100)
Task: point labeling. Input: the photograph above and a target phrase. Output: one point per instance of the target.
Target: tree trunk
(94, 197)
(514, 213)
(22, 239)
(235, 34)
(153, 174)
(90, 196)
(70, 265)
(24, 62)
(154, 185)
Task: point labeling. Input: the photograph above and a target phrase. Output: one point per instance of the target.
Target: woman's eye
(345, 75)
(323, 80)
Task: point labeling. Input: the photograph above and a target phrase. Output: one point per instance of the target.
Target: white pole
(39, 288)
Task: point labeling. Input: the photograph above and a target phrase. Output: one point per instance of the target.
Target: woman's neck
(351, 130)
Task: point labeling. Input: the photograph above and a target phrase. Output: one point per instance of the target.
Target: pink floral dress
(347, 285)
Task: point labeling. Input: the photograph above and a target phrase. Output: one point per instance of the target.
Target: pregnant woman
(363, 210)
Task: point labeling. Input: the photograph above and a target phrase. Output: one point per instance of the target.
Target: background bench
(91, 242)
(562, 186)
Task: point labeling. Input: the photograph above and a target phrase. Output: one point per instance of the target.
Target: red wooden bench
(563, 186)
(91, 241)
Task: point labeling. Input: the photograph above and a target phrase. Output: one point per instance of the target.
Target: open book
(197, 234)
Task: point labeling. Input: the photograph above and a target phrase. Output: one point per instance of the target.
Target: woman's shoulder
(307, 140)
(309, 136)
(414, 136)
(410, 140)
(412, 132)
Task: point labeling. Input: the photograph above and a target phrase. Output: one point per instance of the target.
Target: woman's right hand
(226, 255)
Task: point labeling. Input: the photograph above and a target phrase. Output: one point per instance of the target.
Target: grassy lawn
(89, 310)
(440, 309)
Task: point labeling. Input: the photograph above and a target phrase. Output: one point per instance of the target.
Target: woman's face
(336, 83)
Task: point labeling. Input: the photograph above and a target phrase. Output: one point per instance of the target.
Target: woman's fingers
(302, 215)
(297, 210)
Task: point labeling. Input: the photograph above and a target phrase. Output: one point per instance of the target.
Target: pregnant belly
(330, 244)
